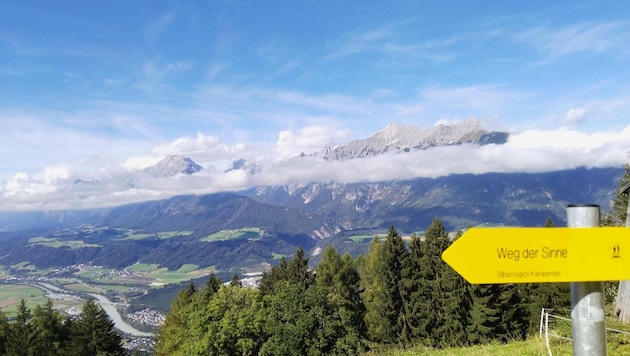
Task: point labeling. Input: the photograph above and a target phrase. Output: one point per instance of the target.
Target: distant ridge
(399, 138)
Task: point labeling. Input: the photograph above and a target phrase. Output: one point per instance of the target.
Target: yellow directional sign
(555, 254)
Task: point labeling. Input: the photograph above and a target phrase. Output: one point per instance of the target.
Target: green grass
(249, 233)
(96, 274)
(169, 234)
(360, 238)
(132, 235)
(185, 268)
(185, 272)
(530, 347)
(24, 265)
(56, 243)
(143, 267)
(12, 294)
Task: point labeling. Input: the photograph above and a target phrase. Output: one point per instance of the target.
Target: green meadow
(248, 233)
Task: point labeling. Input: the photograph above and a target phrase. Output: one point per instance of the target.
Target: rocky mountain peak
(400, 138)
(249, 167)
(173, 165)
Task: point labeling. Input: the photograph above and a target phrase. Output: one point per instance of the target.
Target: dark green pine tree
(458, 303)
(385, 316)
(432, 293)
(236, 281)
(298, 271)
(294, 271)
(339, 279)
(212, 286)
(484, 314)
(93, 333)
(549, 222)
(514, 318)
(21, 333)
(52, 333)
(4, 325)
(454, 293)
(412, 292)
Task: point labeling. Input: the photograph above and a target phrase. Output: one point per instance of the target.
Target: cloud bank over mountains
(100, 182)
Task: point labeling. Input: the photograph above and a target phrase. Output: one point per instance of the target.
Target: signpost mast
(587, 298)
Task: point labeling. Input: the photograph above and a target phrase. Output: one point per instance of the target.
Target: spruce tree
(212, 286)
(339, 279)
(4, 325)
(484, 314)
(295, 271)
(21, 333)
(514, 318)
(383, 296)
(236, 281)
(432, 293)
(411, 290)
(93, 333)
(52, 333)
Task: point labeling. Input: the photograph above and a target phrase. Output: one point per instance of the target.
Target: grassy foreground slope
(531, 347)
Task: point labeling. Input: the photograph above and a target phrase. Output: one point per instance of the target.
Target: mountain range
(399, 138)
(311, 215)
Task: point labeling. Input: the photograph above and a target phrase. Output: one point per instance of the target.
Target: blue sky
(91, 89)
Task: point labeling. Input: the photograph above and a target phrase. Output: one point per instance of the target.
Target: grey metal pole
(587, 298)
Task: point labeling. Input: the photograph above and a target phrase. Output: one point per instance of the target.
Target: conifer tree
(212, 286)
(93, 333)
(295, 271)
(432, 270)
(411, 290)
(236, 281)
(4, 325)
(385, 316)
(339, 279)
(514, 321)
(484, 314)
(52, 333)
(21, 333)
(445, 297)
(458, 302)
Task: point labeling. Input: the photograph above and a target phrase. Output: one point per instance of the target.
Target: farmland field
(248, 233)
(56, 243)
(132, 235)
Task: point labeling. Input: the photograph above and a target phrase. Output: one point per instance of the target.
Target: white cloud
(54, 187)
(593, 38)
(575, 116)
(201, 147)
(308, 139)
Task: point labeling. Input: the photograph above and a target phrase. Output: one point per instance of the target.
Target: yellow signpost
(526, 255)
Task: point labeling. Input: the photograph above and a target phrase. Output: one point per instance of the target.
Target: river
(119, 323)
